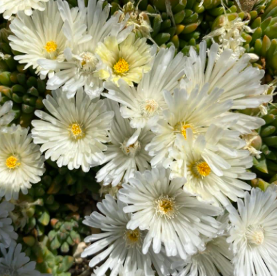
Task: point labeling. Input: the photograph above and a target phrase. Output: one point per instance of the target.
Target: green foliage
(266, 166)
(263, 41)
(20, 85)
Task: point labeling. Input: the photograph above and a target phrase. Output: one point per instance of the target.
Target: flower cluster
(166, 129)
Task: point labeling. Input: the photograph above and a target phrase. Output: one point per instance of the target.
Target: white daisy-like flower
(118, 246)
(240, 82)
(139, 20)
(127, 60)
(13, 262)
(253, 233)
(125, 153)
(214, 165)
(84, 28)
(9, 7)
(172, 217)
(229, 34)
(215, 260)
(7, 234)
(196, 110)
(21, 163)
(74, 132)
(142, 104)
(6, 113)
(38, 37)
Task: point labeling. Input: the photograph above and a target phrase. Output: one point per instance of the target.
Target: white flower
(240, 82)
(196, 111)
(139, 20)
(7, 233)
(84, 28)
(213, 165)
(253, 233)
(6, 113)
(118, 246)
(229, 34)
(14, 262)
(38, 37)
(215, 260)
(9, 7)
(21, 163)
(143, 103)
(125, 153)
(127, 60)
(74, 133)
(172, 217)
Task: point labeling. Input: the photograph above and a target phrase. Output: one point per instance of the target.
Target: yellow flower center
(184, 128)
(51, 46)
(12, 162)
(121, 66)
(151, 106)
(76, 130)
(131, 149)
(255, 235)
(166, 206)
(132, 236)
(203, 168)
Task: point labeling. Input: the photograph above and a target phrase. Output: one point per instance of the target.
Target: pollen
(76, 130)
(132, 236)
(165, 206)
(51, 46)
(184, 129)
(121, 66)
(203, 168)
(151, 106)
(255, 235)
(12, 162)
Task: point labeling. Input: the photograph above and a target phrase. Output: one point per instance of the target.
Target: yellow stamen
(203, 168)
(151, 106)
(12, 162)
(166, 207)
(133, 236)
(184, 128)
(121, 66)
(76, 130)
(51, 46)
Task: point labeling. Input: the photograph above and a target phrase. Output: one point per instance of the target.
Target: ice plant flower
(7, 234)
(9, 7)
(118, 246)
(253, 233)
(6, 113)
(21, 163)
(215, 260)
(214, 165)
(229, 34)
(139, 20)
(239, 81)
(144, 103)
(125, 153)
(38, 37)
(196, 111)
(84, 28)
(13, 262)
(172, 217)
(74, 132)
(127, 60)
